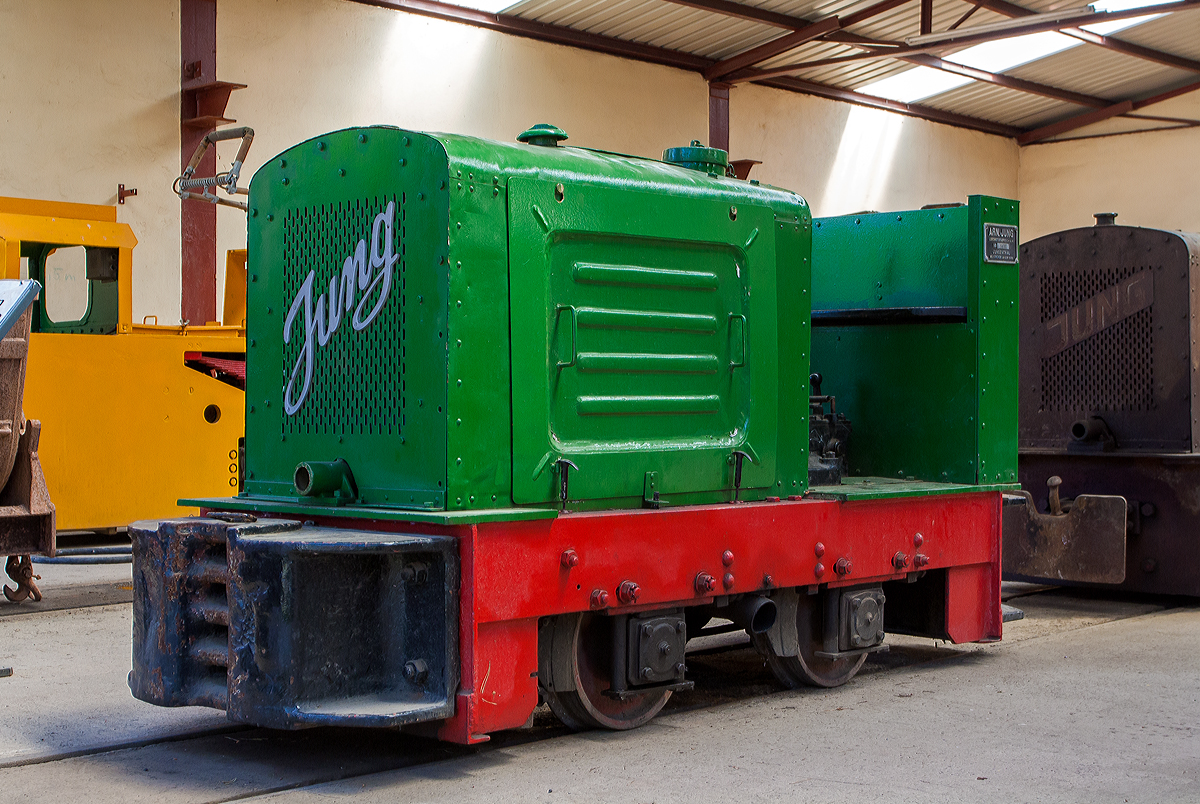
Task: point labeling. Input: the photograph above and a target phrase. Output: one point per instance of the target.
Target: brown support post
(198, 222)
(926, 16)
(718, 116)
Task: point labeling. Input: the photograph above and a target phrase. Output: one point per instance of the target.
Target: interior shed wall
(1148, 179)
(91, 94)
(315, 65)
(89, 99)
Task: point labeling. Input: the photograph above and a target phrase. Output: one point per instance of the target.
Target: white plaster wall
(1149, 179)
(89, 99)
(846, 158)
(316, 65)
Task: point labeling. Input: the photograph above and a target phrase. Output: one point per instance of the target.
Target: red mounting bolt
(918, 540)
(727, 558)
(920, 560)
(843, 566)
(627, 592)
(819, 569)
(728, 580)
(900, 560)
(705, 583)
(819, 549)
(599, 598)
(569, 559)
(768, 581)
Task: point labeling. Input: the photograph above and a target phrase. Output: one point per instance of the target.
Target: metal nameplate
(1000, 243)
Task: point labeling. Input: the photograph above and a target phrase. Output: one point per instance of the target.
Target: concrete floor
(1088, 699)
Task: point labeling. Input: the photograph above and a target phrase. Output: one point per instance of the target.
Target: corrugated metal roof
(1087, 68)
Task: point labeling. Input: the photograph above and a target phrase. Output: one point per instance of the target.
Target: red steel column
(198, 222)
(718, 115)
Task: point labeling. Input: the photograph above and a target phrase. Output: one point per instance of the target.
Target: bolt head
(569, 559)
(728, 580)
(843, 566)
(819, 569)
(727, 558)
(918, 540)
(900, 560)
(599, 599)
(819, 549)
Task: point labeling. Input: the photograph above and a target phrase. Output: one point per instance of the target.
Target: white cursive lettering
(367, 270)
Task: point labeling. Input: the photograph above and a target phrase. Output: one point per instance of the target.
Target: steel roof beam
(783, 44)
(912, 109)
(744, 12)
(969, 39)
(802, 31)
(557, 34)
(1006, 81)
(842, 36)
(1119, 45)
(1100, 115)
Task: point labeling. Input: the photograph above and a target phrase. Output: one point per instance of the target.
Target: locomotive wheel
(576, 650)
(807, 669)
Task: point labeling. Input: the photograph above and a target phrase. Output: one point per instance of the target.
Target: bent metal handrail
(185, 184)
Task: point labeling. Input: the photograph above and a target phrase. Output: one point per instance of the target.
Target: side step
(287, 626)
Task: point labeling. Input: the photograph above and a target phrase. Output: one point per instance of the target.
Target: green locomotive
(523, 418)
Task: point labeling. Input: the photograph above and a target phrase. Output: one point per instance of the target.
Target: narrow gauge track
(233, 762)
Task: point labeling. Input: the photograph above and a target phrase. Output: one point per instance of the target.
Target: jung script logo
(1098, 313)
(368, 271)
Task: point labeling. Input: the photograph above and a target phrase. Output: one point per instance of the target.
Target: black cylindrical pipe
(755, 613)
(1087, 429)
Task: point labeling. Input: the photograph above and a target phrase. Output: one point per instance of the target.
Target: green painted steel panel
(793, 249)
(891, 259)
(346, 369)
(644, 339)
(995, 310)
(928, 401)
(418, 394)
(909, 392)
(856, 489)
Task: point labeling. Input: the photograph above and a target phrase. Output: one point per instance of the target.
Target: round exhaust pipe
(1088, 429)
(755, 613)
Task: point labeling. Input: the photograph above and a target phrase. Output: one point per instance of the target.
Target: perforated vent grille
(358, 378)
(1112, 370)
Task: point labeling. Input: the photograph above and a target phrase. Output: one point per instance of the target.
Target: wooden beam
(1119, 45)
(775, 47)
